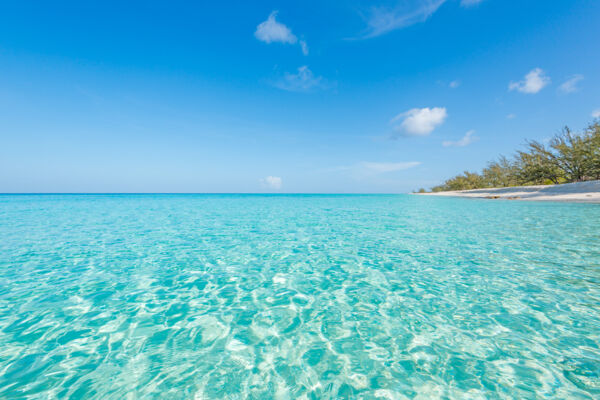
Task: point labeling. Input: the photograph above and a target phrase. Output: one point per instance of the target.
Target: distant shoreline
(579, 192)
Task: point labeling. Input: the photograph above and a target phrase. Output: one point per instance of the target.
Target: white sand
(585, 192)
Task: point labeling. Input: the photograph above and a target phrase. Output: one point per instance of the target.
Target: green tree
(570, 154)
(501, 173)
(537, 165)
(592, 166)
(569, 157)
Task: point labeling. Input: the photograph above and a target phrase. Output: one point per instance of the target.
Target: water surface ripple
(297, 297)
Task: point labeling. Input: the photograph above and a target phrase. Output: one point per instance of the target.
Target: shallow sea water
(297, 297)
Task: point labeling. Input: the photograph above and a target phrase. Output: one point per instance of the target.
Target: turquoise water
(291, 297)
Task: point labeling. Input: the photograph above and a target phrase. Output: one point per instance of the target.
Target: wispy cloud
(304, 47)
(469, 3)
(273, 31)
(272, 182)
(464, 141)
(454, 84)
(382, 20)
(302, 81)
(375, 170)
(511, 116)
(383, 167)
(533, 82)
(596, 113)
(419, 121)
(570, 85)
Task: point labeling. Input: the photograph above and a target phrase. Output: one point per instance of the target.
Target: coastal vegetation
(567, 157)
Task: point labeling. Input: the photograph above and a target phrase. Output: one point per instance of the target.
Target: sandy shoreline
(582, 192)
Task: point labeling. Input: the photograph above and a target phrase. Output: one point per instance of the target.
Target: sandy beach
(583, 192)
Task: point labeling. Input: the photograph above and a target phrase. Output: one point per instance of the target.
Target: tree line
(567, 157)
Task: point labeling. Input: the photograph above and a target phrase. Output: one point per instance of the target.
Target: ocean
(297, 297)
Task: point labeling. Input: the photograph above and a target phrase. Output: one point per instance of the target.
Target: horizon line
(196, 193)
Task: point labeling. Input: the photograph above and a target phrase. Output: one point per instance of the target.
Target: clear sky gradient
(312, 96)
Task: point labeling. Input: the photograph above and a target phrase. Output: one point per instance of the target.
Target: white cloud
(419, 121)
(272, 31)
(534, 81)
(570, 85)
(465, 141)
(469, 3)
(379, 167)
(454, 84)
(383, 20)
(302, 81)
(304, 47)
(272, 182)
(511, 116)
(596, 113)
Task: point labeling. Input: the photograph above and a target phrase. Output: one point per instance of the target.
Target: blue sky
(312, 96)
